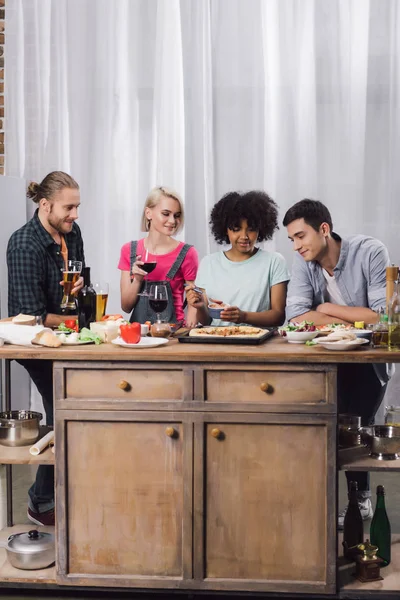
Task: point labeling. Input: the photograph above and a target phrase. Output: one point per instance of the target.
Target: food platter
(201, 337)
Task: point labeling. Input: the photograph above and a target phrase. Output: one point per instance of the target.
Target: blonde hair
(53, 182)
(154, 198)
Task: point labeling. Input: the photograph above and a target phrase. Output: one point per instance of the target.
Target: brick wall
(2, 10)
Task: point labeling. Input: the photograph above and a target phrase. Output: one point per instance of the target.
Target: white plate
(351, 345)
(145, 342)
(78, 343)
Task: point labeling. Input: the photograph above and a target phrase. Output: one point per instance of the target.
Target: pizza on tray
(242, 331)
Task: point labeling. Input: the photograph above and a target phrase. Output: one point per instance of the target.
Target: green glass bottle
(380, 527)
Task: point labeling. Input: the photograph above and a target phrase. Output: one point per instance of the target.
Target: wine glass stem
(158, 316)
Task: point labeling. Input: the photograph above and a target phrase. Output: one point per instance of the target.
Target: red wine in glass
(158, 305)
(149, 266)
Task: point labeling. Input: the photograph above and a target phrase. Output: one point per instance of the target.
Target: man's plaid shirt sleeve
(26, 284)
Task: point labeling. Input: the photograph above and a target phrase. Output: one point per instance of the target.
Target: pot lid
(31, 542)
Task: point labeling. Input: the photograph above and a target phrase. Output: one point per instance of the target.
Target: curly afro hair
(256, 207)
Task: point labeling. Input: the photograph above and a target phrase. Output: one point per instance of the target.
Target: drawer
(266, 387)
(128, 384)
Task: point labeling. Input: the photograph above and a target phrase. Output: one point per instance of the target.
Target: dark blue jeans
(359, 393)
(41, 493)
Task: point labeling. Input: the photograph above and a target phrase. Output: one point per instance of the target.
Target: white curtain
(297, 97)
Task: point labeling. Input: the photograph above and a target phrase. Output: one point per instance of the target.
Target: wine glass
(101, 289)
(148, 266)
(158, 299)
(71, 274)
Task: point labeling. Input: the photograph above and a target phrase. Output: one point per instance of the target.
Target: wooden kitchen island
(196, 467)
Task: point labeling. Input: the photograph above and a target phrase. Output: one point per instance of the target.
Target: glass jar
(392, 415)
(160, 329)
(349, 430)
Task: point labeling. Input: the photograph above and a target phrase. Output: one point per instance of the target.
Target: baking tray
(184, 338)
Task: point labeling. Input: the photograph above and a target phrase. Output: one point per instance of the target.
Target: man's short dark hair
(313, 212)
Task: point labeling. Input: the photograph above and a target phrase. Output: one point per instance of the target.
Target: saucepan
(30, 550)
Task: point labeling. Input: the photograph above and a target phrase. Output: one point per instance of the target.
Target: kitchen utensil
(31, 550)
(19, 427)
(383, 441)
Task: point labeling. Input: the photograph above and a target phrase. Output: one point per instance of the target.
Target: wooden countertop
(275, 350)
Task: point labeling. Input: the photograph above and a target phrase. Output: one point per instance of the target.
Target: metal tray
(186, 339)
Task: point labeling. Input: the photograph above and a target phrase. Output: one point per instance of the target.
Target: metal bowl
(383, 441)
(19, 427)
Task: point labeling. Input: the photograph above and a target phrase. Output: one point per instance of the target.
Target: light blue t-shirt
(245, 284)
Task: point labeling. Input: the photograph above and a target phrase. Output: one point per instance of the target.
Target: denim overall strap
(179, 260)
(133, 254)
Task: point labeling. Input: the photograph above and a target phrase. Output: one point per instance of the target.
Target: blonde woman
(160, 258)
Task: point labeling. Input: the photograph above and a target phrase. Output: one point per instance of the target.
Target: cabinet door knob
(216, 432)
(170, 432)
(124, 385)
(266, 387)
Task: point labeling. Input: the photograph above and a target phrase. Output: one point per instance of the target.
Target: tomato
(130, 332)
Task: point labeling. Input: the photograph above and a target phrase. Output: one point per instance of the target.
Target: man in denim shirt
(337, 280)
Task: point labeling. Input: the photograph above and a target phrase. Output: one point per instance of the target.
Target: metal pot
(31, 550)
(383, 441)
(19, 427)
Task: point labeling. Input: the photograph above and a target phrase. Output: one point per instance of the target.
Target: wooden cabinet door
(122, 507)
(265, 507)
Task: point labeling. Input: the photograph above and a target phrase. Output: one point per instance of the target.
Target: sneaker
(44, 518)
(366, 511)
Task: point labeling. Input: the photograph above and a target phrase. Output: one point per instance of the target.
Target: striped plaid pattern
(35, 266)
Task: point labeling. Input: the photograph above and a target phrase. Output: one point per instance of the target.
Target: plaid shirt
(35, 267)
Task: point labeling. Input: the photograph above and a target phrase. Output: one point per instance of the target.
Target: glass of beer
(71, 274)
(101, 289)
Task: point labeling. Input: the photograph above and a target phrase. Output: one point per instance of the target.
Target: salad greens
(64, 328)
(86, 335)
(303, 326)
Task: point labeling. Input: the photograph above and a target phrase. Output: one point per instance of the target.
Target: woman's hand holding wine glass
(142, 268)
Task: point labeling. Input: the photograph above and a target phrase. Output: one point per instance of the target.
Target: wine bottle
(86, 301)
(353, 529)
(380, 527)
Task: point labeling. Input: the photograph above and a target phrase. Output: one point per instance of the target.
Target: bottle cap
(353, 485)
(380, 490)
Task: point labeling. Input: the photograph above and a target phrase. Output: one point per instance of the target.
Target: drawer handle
(124, 385)
(266, 387)
(171, 432)
(216, 433)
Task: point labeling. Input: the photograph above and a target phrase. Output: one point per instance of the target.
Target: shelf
(9, 574)
(358, 459)
(19, 455)
(390, 574)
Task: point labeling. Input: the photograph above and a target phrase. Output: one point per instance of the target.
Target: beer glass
(101, 289)
(71, 274)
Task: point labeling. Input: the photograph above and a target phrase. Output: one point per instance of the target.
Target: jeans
(41, 493)
(359, 393)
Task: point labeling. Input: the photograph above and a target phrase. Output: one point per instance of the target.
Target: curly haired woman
(251, 280)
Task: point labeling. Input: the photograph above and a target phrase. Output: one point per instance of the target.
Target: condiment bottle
(86, 301)
(353, 528)
(380, 527)
(391, 278)
(394, 318)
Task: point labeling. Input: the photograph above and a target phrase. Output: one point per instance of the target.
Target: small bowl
(363, 333)
(144, 330)
(300, 337)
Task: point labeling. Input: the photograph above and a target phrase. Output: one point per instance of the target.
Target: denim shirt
(360, 275)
